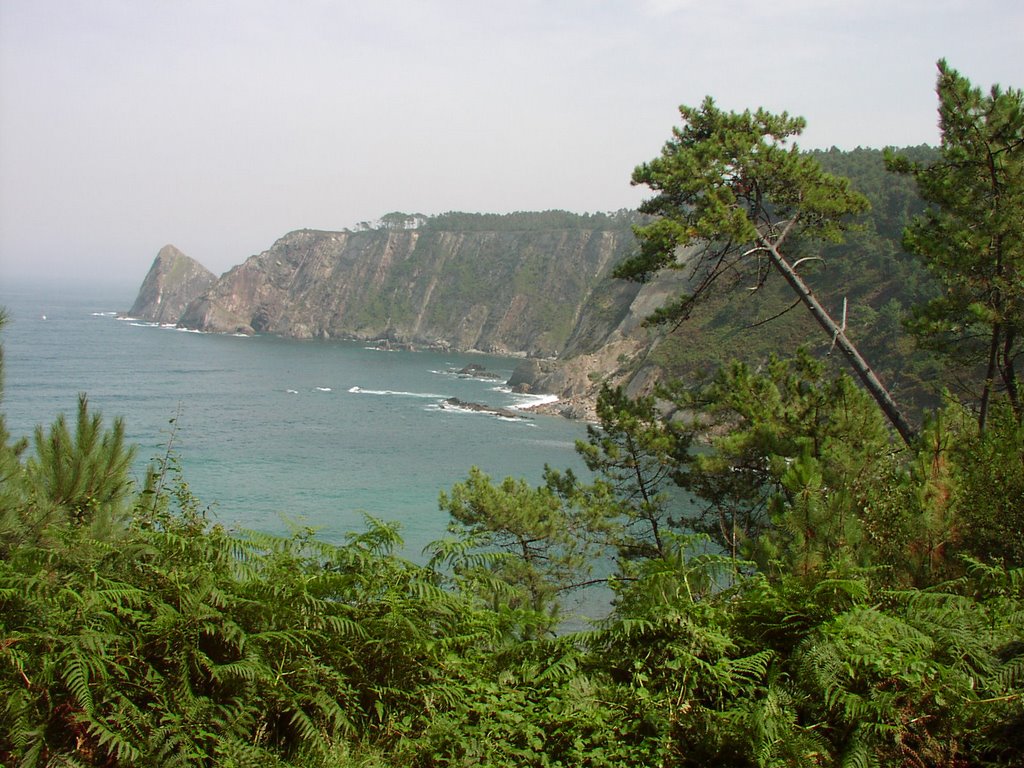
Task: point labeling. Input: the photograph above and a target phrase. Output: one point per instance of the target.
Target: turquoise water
(272, 430)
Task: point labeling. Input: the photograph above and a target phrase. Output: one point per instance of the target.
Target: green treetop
(730, 189)
(972, 238)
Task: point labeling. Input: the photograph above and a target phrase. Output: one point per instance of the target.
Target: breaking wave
(394, 393)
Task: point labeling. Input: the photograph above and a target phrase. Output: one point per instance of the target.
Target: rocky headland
(172, 283)
(538, 286)
(532, 285)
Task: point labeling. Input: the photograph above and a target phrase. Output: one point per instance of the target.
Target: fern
(75, 673)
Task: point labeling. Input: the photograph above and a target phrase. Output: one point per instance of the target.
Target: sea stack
(173, 282)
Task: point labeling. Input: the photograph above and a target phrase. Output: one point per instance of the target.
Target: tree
(972, 237)
(988, 489)
(730, 193)
(87, 474)
(795, 459)
(84, 478)
(529, 538)
(637, 453)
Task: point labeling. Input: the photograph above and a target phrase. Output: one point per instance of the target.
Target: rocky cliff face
(507, 290)
(610, 345)
(533, 285)
(173, 281)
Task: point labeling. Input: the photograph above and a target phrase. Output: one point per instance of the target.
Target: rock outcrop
(537, 286)
(462, 405)
(172, 283)
(606, 347)
(512, 285)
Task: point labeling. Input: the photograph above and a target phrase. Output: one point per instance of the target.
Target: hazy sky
(220, 125)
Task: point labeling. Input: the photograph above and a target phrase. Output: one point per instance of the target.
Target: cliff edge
(532, 285)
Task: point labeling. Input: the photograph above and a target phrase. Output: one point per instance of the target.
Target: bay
(275, 432)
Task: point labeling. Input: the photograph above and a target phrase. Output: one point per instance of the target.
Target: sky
(220, 125)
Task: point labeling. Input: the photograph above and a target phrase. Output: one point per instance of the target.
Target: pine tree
(972, 238)
(636, 454)
(732, 193)
(521, 548)
(86, 475)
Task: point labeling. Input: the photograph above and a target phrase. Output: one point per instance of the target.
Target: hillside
(538, 285)
(508, 285)
(869, 271)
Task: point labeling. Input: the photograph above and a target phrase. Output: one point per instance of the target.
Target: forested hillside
(850, 591)
(869, 270)
(539, 284)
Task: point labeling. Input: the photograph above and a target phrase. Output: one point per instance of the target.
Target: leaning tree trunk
(860, 365)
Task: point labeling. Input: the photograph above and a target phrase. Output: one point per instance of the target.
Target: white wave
(458, 409)
(516, 420)
(98, 314)
(524, 402)
(394, 393)
(323, 389)
(292, 391)
(535, 401)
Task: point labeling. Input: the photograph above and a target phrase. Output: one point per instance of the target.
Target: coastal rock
(533, 285)
(172, 283)
(529, 373)
(476, 371)
(462, 405)
(507, 285)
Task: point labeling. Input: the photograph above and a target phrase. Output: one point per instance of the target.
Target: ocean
(272, 433)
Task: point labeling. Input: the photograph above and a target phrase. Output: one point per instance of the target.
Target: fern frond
(559, 669)
(752, 668)
(305, 728)
(75, 672)
(114, 742)
(1010, 676)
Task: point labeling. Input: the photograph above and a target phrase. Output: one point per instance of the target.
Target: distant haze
(220, 125)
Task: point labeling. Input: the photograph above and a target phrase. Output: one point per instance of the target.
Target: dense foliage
(866, 278)
(972, 238)
(787, 584)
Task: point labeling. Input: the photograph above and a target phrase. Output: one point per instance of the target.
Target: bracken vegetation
(842, 595)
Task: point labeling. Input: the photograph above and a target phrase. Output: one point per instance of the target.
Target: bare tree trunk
(860, 365)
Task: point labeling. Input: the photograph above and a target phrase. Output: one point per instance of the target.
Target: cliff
(534, 285)
(508, 285)
(538, 285)
(172, 283)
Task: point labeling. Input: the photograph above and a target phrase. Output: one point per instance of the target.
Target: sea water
(271, 432)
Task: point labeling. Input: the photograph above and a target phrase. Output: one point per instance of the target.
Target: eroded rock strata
(537, 286)
(172, 283)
